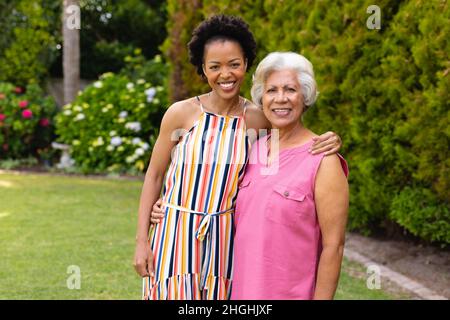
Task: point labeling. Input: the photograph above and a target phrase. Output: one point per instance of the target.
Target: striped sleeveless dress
(193, 244)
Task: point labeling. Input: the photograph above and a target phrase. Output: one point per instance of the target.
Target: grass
(49, 223)
(352, 285)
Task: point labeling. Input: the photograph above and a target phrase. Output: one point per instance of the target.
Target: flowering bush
(25, 121)
(111, 125)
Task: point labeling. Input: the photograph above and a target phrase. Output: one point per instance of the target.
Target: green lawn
(49, 223)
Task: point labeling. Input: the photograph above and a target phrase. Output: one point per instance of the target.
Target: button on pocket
(289, 193)
(285, 205)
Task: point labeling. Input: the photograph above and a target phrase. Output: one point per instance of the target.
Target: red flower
(18, 90)
(23, 103)
(27, 114)
(5, 147)
(2, 96)
(2, 116)
(44, 122)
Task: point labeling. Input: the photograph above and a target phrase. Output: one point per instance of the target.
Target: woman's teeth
(226, 85)
(281, 112)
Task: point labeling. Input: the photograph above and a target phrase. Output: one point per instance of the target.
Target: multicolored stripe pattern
(206, 168)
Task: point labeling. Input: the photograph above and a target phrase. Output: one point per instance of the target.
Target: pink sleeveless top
(278, 239)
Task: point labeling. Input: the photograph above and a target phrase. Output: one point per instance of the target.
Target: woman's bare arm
(331, 195)
(160, 158)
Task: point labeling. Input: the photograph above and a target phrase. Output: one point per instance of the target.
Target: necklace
(238, 105)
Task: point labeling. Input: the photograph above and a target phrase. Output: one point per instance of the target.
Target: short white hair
(277, 61)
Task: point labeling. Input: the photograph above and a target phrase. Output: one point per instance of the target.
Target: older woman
(291, 209)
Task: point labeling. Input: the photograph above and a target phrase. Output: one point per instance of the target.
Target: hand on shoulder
(255, 118)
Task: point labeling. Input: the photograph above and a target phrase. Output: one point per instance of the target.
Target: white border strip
(404, 282)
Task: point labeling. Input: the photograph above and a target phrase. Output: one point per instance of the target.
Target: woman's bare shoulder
(181, 113)
(183, 107)
(330, 167)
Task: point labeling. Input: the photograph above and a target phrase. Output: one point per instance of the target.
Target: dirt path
(429, 266)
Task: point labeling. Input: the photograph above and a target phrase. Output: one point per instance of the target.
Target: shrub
(103, 40)
(419, 211)
(113, 123)
(26, 121)
(28, 42)
(385, 92)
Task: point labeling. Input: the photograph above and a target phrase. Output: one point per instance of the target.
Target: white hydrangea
(130, 159)
(134, 126)
(116, 141)
(98, 142)
(145, 146)
(67, 112)
(130, 85)
(150, 93)
(123, 114)
(80, 117)
(139, 152)
(136, 141)
(98, 84)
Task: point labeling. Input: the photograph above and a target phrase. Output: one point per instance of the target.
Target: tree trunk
(71, 49)
(184, 15)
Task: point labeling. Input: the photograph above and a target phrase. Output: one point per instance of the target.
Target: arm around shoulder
(255, 119)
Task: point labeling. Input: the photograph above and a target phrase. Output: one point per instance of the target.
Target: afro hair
(221, 27)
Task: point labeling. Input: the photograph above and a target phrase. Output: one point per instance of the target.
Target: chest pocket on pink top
(286, 205)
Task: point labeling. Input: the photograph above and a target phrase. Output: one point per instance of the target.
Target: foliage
(112, 124)
(385, 92)
(10, 164)
(26, 121)
(31, 41)
(112, 30)
(419, 211)
(28, 43)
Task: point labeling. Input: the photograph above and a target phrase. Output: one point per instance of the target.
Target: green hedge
(384, 91)
(28, 42)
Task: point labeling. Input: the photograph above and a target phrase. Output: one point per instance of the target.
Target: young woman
(199, 159)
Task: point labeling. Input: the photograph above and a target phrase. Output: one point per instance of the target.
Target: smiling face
(282, 99)
(224, 67)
